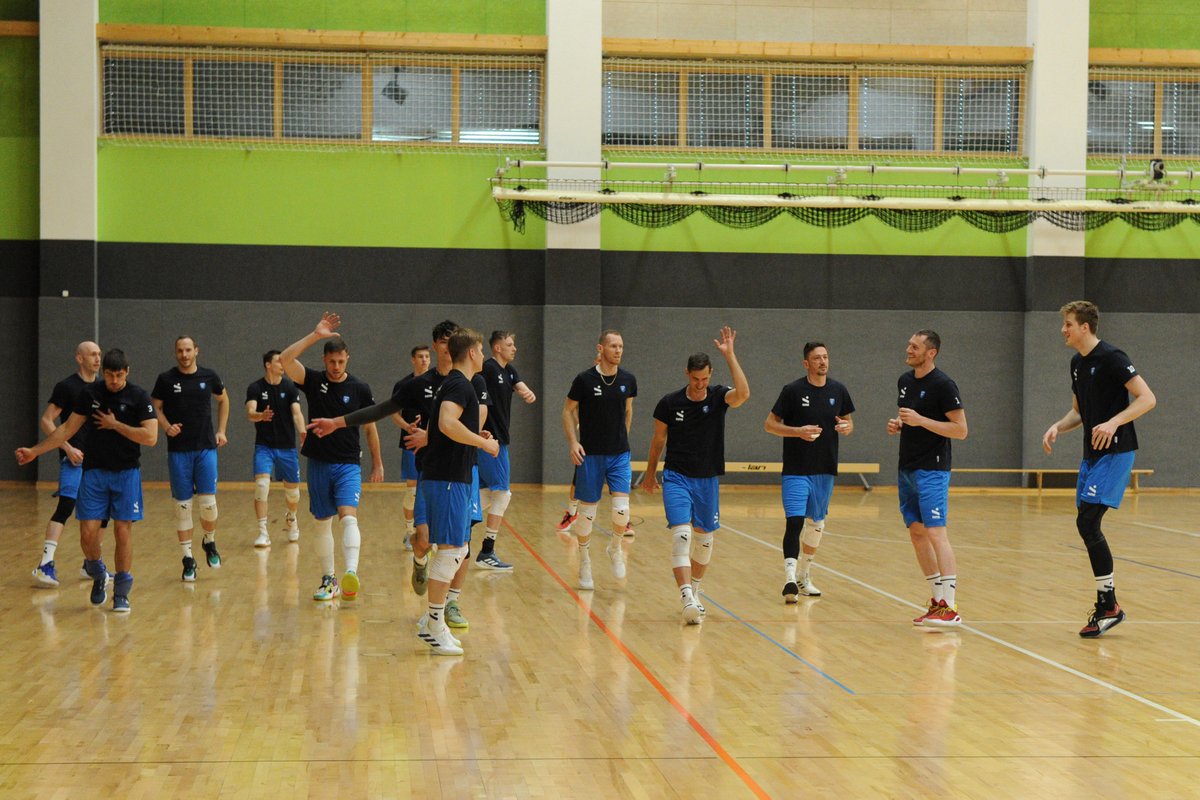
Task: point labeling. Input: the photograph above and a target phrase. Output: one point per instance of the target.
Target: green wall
(23, 10)
(18, 138)
(523, 17)
(1154, 24)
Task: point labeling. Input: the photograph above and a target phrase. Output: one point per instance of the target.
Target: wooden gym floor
(241, 686)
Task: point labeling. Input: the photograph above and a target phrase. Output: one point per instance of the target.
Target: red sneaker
(567, 521)
(1101, 620)
(942, 617)
(933, 605)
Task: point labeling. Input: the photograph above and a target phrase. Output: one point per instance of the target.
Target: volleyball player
(273, 405)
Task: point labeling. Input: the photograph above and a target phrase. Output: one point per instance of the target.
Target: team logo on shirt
(265, 396)
(831, 401)
(121, 408)
(324, 388)
(282, 396)
(903, 389)
(95, 404)
(346, 398)
(178, 389)
(921, 396)
(1093, 371)
(622, 388)
(804, 401)
(1131, 369)
(201, 384)
(598, 391)
(500, 378)
(704, 409)
(428, 392)
(679, 416)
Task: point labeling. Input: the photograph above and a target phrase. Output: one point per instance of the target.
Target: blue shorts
(408, 465)
(420, 513)
(1102, 480)
(925, 496)
(494, 472)
(691, 501)
(283, 465)
(331, 486)
(68, 479)
(108, 494)
(807, 496)
(193, 472)
(476, 505)
(595, 471)
(448, 506)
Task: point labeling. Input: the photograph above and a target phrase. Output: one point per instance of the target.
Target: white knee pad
(587, 516)
(262, 488)
(681, 546)
(811, 535)
(410, 498)
(445, 564)
(292, 495)
(500, 501)
(183, 515)
(485, 501)
(620, 512)
(208, 507)
(702, 552)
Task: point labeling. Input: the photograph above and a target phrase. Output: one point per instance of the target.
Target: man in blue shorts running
(273, 405)
(600, 406)
(1102, 379)
(119, 420)
(930, 415)
(181, 398)
(690, 423)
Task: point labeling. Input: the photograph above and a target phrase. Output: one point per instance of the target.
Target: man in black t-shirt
(70, 461)
(182, 402)
(599, 406)
(118, 419)
(930, 415)
(1102, 379)
(404, 419)
(334, 475)
(273, 405)
(807, 408)
(494, 473)
(690, 423)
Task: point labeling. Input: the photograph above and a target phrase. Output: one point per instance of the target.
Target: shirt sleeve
(481, 389)
(217, 385)
(632, 386)
(60, 397)
(950, 399)
(662, 411)
(781, 407)
(143, 409)
(161, 390)
(578, 391)
(1121, 365)
(513, 377)
(847, 403)
(252, 394)
(83, 404)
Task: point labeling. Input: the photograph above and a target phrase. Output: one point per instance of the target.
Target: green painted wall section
(22, 10)
(514, 17)
(164, 194)
(1154, 24)
(18, 138)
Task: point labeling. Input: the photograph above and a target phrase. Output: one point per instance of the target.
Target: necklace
(608, 382)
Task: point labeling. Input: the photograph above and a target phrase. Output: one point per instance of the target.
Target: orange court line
(721, 752)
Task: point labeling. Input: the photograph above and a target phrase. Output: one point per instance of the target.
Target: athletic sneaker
(567, 521)
(85, 577)
(1101, 620)
(629, 531)
(189, 569)
(45, 576)
(807, 589)
(791, 593)
(617, 556)
(423, 627)
(350, 585)
(585, 575)
(943, 616)
(211, 556)
(120, 604)
(699, 605)
(491, 561)
(454, 617)
(263, 540)
(692, 614)
(933, 606)
(420, 577)
(442, 642)
(328, 589)
(98, 595)
(293, 533)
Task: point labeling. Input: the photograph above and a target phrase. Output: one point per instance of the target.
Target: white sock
(436, 623)
(210, 536)
(452, 595)
(1104, 583)
(949, 584)
(351, 542)
(806, 563)
(262, 524)
(584, 551)
(187, 548)
(686, 594)
(696, 589)
(573, 507)
(789, 570)
(935, 585)
(48, 548)
(324, 545)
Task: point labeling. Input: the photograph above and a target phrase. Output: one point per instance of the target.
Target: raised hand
(725, 343)
(329, 323)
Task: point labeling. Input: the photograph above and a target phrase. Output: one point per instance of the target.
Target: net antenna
(998, 200)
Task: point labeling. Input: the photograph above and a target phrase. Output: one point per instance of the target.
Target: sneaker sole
(493, 567)
(42, 582)
(691, 615)
(125, 610)
(350, 586)
(1101, 631)
(939, 623)
(262, 544)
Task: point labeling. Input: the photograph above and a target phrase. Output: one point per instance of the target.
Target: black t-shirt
(64, 395)
(417, 393)
(446, 459)
(602, 410)
(931, 396)
(500, 383)
(280, 432)
(481, 393)
(1098, 382)
(186, 399)
(799, 404)
(108, 449)
(695, 432)
(327, 399)
(406, 413)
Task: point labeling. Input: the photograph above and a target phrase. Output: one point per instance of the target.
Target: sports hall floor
(241, 686)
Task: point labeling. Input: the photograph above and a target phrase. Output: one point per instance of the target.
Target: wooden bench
(774, 468)
(1040, 472)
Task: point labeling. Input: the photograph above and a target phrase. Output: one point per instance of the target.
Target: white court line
(1161, 528)
(1175, 715)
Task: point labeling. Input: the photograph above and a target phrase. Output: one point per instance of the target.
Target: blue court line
(708, 598)
(1143, 563)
